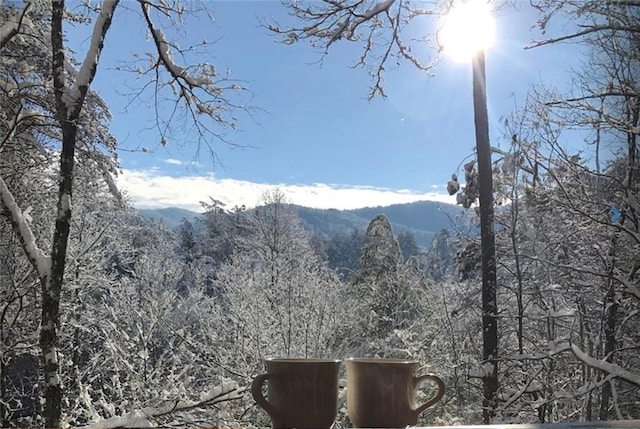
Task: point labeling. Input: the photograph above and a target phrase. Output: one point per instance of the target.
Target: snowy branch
(520, 392)
(606, 367)
(176, 71)
(15, 121)
(378, 25)
(198, 90)
(113, 187)
(383, 6)
(12, 26)
(37, 257)
(631, 288)
(90, 64)
(140, 418)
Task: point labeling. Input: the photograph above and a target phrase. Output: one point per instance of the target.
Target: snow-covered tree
(132, 340)
(594, 197)
(51, 107)
(280, 298)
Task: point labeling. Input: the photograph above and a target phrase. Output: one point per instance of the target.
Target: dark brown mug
(303, 393)
(381, 392)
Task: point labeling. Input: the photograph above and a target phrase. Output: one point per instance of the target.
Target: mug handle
(441, 389)
(256, 392)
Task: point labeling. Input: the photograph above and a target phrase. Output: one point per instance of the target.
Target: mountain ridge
(423, 219)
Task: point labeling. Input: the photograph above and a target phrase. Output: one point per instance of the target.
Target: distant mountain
(424, 218)
(171, 216)
(427, 216)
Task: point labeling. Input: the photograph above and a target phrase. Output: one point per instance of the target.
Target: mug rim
(301, 360)
(382, 361)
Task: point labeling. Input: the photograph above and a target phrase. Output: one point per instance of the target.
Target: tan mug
(302, 393)
(381, 392)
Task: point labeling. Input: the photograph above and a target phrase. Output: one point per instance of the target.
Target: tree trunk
(52, 288)
(586, 341)
(609, 348)
(487, 234)
(609, 322)
(52, 284)
(68, 112)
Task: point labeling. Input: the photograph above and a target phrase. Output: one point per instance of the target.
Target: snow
(607, 367)
(51, 356)
(27, 214)
(557, 346)
(175, 70)
(481, 372)
(11, 27)
(24, 114)
(36, 255)
(535, 386)
(7, 30)
(528, 356)
(135, 419)
(65, 202)
(631, 287)
(113, 188)
(567, 312)
(54, 380)
(87, 69)
(140, 418)
(378, 8)
(165, 53)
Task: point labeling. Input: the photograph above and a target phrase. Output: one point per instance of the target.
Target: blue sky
(314, 133)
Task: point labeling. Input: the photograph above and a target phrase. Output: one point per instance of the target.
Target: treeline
(341, 251)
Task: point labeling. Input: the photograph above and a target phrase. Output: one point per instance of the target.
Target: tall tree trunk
(52, 285)
(52, 288)
(488, 245)
(609, 322)
(69, 103)
(611, 303)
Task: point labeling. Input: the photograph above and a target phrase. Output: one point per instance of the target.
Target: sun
(468, 28)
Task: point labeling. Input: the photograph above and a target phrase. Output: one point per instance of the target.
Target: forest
(108, 320)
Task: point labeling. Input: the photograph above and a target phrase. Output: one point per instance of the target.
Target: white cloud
(149, 189)
(174, 161)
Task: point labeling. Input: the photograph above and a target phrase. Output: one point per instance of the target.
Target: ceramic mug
(302, 393)
(381, 392)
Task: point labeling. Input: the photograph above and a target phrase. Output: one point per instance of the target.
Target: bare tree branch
(590, 30)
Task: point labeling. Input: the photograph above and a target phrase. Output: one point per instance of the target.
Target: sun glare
(467, 28)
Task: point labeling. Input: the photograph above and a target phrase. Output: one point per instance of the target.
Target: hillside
(424, 218)
(171, 216)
